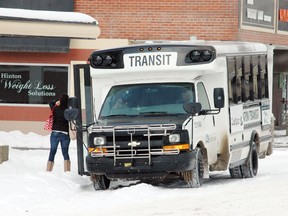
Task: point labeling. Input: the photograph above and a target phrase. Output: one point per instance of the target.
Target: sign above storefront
(32, 84)
(265, 15)
(33, 87)
(258, 15)
(283, 18)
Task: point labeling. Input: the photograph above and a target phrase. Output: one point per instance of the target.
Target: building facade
(44, 58)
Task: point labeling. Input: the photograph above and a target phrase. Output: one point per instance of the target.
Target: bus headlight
(174, 138)
(101, 140)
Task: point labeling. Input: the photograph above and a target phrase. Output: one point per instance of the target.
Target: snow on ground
(27, 189)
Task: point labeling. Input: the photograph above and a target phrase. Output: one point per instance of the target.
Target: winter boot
(67, 165)
(50, 165)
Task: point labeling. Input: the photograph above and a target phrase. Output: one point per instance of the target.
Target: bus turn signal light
(97, 150)
(180, 147)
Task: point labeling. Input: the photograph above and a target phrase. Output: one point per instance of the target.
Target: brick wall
(172, 20)
(262, 37)
(163, 19)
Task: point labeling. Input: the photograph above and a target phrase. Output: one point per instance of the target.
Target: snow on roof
(56, 16)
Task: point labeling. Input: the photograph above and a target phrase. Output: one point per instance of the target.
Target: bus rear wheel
(250, 168)
(236, 172)
(194, 178)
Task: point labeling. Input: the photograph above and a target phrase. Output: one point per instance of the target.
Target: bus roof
(222, 47)
(172, 56)
(231, 47)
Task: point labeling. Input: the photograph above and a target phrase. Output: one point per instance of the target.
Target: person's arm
(52, 104)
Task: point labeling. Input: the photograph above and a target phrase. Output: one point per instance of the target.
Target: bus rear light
(180, 147)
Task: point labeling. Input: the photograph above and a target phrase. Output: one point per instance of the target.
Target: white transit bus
(181, 110)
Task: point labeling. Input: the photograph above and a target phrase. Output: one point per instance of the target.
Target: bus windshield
(148, 99)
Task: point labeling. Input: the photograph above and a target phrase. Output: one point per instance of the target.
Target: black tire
(236, 172)
(250, 168)
(194, 178)
(100, 182)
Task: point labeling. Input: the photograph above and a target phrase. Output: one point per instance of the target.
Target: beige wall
(97, 44)
(23, 126)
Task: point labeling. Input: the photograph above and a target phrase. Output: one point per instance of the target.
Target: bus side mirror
(219, 98)
(192, 107)
(72, 112)
(72, 103)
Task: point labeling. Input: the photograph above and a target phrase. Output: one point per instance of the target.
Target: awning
(55, 24)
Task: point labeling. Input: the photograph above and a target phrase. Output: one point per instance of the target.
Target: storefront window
(22, 84)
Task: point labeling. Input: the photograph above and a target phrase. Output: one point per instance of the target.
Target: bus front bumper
(137, 169)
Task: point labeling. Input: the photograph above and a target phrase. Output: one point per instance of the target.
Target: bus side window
(246, 79)
(263, 78)
(202, 96)
(239, 80)
(232, 91)
(253, 78)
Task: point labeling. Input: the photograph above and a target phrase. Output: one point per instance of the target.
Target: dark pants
(64, 140)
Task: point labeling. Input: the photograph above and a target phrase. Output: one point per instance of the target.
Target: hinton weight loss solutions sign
(32, 84)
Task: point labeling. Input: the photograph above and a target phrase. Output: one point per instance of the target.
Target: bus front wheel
(194, 178)
(100, 182)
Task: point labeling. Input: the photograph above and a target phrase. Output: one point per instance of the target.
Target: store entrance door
(284, 87)
(280, 88)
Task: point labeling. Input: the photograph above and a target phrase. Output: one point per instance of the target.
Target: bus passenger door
(206, 124)
(82, 89)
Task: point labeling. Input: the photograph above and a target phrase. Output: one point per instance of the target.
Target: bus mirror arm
(210, 111)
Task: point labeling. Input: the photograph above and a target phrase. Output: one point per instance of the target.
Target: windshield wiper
(153, 113)
(116, 115)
